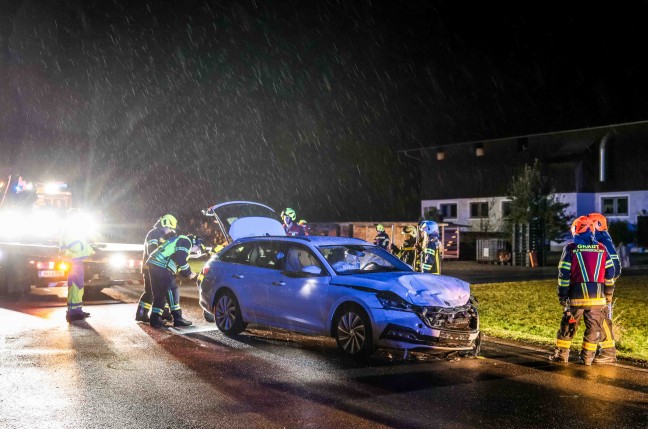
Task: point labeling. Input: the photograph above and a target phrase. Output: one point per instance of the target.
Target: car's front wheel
(353, 331)
(227, 313)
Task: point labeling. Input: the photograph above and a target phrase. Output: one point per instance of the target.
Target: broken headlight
(391, 301)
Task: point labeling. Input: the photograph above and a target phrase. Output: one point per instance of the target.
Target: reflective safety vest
(172, 255)
(74, 247)
(586, 274)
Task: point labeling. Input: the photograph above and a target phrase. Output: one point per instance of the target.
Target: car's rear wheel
(353, 331)
(227, 313)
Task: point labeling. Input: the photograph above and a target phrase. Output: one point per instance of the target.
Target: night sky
(171, 106)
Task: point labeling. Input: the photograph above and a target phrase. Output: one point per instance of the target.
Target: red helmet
(599, 222)
(581, 225)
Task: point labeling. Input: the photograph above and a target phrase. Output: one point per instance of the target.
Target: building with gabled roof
(600, 169)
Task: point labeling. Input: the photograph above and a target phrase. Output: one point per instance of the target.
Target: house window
(478, 210)
(506, 209)
(615, 206)
(448, 210)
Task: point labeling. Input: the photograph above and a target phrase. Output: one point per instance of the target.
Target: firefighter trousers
(75, 287)
(595, 333)
(165, 289)
(146, 300)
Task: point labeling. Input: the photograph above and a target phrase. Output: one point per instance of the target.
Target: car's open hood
(417, 288)
(238, 219)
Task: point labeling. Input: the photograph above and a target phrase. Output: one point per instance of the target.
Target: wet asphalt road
(110, 372)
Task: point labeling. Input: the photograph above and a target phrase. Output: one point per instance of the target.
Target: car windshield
(354, 259)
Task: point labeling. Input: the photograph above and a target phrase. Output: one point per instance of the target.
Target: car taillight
(205, 270)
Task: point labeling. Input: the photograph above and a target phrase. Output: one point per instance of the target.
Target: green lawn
(529, 312)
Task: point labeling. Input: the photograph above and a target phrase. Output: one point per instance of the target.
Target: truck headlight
(118, 261)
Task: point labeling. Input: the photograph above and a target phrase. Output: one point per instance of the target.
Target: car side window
(265, 255)
(236, 254)
(296, 257)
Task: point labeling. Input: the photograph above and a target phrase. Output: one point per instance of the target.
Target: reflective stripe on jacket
(585, 274)
(172, 255)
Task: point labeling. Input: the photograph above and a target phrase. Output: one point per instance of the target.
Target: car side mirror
(312, 269)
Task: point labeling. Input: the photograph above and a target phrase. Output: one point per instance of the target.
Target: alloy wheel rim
(225, 313)
(351, 333)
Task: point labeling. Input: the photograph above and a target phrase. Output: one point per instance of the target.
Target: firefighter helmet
(409, 230)
(429, 227)
(168, 221)
(599, 222)
(290, 213)
(580, 225)
(302, 222)
(380, 228)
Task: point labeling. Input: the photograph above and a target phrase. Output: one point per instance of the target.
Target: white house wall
(579, 204)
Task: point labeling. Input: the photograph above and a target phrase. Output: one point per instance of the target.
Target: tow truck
(32, 217)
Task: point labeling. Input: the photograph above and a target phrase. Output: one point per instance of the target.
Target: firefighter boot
(156, 321)
(586, 357)
(72, 317)
(178, 320)
(606, 356)
(142, 315)
(166, 314)
(560, 355)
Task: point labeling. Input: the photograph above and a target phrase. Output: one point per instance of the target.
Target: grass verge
(529, 312)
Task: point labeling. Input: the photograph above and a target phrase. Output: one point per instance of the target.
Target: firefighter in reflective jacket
(292, 229)
(407, 252)
(430, 247)
(163, 229)
(165, 261)
(381, 239)
(607, 352)
(585, 283)
(75, 248)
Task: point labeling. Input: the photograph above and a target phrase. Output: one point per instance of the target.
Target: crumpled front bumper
(406, 330)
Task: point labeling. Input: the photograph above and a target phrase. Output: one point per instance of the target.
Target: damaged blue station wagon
(345, 288)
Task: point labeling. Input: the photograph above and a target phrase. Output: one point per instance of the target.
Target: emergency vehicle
(32, 218)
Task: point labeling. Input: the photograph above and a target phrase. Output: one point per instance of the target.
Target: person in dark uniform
(430, 247)
(407, 252)
(163, 229)
(164, 263)
(585, 281)
(381, 239)
(607, 350)
(292, 229)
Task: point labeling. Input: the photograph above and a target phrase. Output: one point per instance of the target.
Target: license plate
(455, 336)
(51, 273)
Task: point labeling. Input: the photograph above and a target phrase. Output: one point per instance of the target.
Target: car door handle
(238, 276)
(279, 283)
